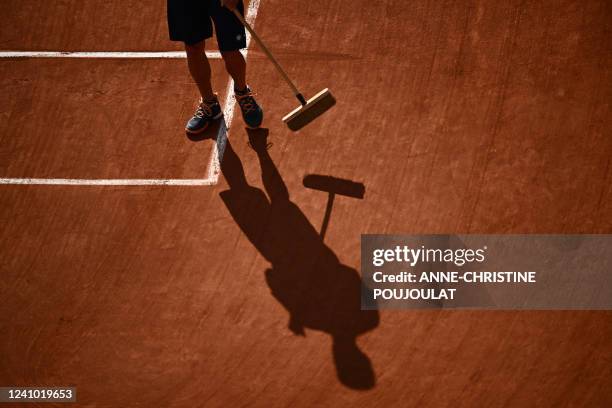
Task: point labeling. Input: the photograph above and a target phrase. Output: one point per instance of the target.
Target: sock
(241, 91)
(210, 99)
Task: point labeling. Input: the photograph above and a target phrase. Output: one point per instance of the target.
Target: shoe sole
(196, 132)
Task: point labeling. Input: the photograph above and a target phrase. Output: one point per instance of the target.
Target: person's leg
(231, 38)
(199, 68)
(189, 21)
(236, 67)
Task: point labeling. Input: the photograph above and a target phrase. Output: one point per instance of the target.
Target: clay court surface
(457, 116)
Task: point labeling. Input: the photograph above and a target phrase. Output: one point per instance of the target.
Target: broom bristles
(314, 108)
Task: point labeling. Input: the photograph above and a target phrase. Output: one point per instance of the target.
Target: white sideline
(102, 54)
(106, 54)
(214, 166)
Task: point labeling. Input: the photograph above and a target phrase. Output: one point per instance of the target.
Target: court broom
(309, 109)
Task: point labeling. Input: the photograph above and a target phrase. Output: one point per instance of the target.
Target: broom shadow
(333, 186)
(306, 277)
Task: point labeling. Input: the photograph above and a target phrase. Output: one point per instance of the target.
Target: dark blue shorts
(191, 21)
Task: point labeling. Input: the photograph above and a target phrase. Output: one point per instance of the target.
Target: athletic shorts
(191, 21)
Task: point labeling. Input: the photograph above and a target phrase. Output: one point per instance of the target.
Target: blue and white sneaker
(251, 111)
(207, 112)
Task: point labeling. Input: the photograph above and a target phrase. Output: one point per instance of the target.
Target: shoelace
(204, 109)
(246, 101)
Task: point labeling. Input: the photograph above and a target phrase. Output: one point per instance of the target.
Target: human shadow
(306, 277)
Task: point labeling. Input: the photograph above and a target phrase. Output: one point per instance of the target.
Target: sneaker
(251, 112)
(207, 112)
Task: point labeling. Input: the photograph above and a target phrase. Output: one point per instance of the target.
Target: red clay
(458, 117)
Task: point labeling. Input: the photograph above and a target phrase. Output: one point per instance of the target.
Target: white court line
(109, 182)
(104, 54)
(214, 166)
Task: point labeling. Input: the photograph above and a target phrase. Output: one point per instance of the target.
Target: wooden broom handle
(265, 49)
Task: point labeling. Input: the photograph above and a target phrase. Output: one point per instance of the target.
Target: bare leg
(236, 67)
(199, 69)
